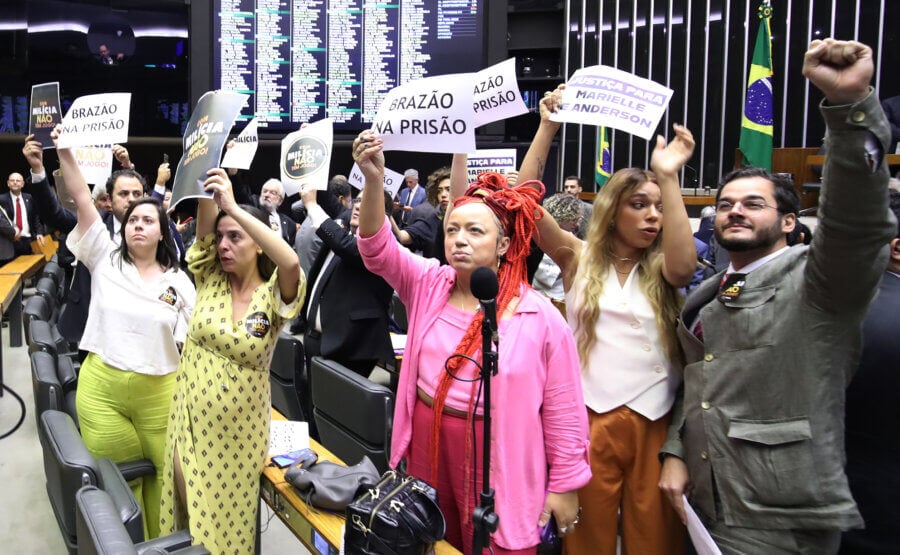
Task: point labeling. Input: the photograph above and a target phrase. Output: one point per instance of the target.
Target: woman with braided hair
(539, 428)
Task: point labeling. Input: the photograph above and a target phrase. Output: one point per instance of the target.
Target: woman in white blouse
(622, 300)
(140, 306)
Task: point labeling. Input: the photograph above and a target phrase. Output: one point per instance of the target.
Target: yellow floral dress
(219, 418)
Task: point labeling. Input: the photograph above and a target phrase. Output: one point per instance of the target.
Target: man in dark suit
(346, 306)
(269, 200)
(7, 236)
(123, 186)
(873, 415)
(19, 207)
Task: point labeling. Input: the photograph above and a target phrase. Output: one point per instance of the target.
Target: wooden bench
(25, 265)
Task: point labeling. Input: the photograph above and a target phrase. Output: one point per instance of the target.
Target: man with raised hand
(757, 438)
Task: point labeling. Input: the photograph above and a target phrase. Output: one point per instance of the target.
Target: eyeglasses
(752, 205)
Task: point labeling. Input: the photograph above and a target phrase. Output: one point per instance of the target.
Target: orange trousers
(625, 466)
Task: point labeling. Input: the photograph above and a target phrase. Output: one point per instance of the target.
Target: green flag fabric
(603, 168)
(757, 123)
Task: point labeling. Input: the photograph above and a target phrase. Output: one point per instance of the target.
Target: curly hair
(598, 256)
(431, 190)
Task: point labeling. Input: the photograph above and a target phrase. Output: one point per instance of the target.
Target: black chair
(398, 313)
(100, 530)
(44, 336)
(56, 272)
(289, 379)
(354, 415)
(36, 308)
(68, 466)
(48, 287)
(54, 385)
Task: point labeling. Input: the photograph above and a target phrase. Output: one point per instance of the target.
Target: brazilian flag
(603, 168)
(756, 125)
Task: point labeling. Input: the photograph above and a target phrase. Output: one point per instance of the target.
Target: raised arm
(679, 251)
(49, 210)
(561, 246)
(848, 252)
(367, 151)
(76, 186)
(268, 240)
(536, 158)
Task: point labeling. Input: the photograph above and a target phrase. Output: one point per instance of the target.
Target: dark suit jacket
(873, 415)
(243, 195)
(7, 234)
(34, 222)
(75, 310)
(353, 302)
(891, 108)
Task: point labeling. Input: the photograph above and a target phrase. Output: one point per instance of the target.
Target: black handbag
(332, 486)
(399, 516)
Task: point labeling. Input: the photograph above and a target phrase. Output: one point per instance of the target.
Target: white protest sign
(602, 95)
(496, 94)
(241, 154)
(305, 157)
(97, 119)
(392, 180)
(95, 163)
(500, 160)
(433, 114)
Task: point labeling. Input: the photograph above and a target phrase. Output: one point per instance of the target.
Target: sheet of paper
(286, 436)
(700, 537)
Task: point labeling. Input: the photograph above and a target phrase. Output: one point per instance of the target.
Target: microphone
(485, 288)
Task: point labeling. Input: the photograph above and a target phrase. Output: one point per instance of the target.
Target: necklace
(462, 299)
(623, 260)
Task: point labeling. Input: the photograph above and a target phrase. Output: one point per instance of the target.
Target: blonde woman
(622, 301)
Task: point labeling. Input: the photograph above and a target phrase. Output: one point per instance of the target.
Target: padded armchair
(36, 308)
(68, 466)
(100, 530)
(55, 272)
(289, 379)
(44, 336)
(354, 415)
(54, 384)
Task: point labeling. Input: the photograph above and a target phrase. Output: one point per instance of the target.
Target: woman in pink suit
(539, 427)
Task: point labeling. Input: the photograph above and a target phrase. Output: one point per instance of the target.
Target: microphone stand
(484, 519)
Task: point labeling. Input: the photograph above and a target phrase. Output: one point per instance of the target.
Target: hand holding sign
(603, 95)
(219, 185)
(34, 153)
(369, 155)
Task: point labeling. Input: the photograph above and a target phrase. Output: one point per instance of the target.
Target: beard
(763, 238)
(267, 205)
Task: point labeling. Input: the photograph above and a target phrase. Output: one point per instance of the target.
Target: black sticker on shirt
(732, 287)
(258, 324)
(169, 296)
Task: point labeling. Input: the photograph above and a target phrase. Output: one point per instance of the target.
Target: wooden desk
(26, 265)
(689, 200)
(11, 301)
(320, 531)
(819, 159)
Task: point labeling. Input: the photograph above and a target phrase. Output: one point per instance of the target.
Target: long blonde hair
(599, 255)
